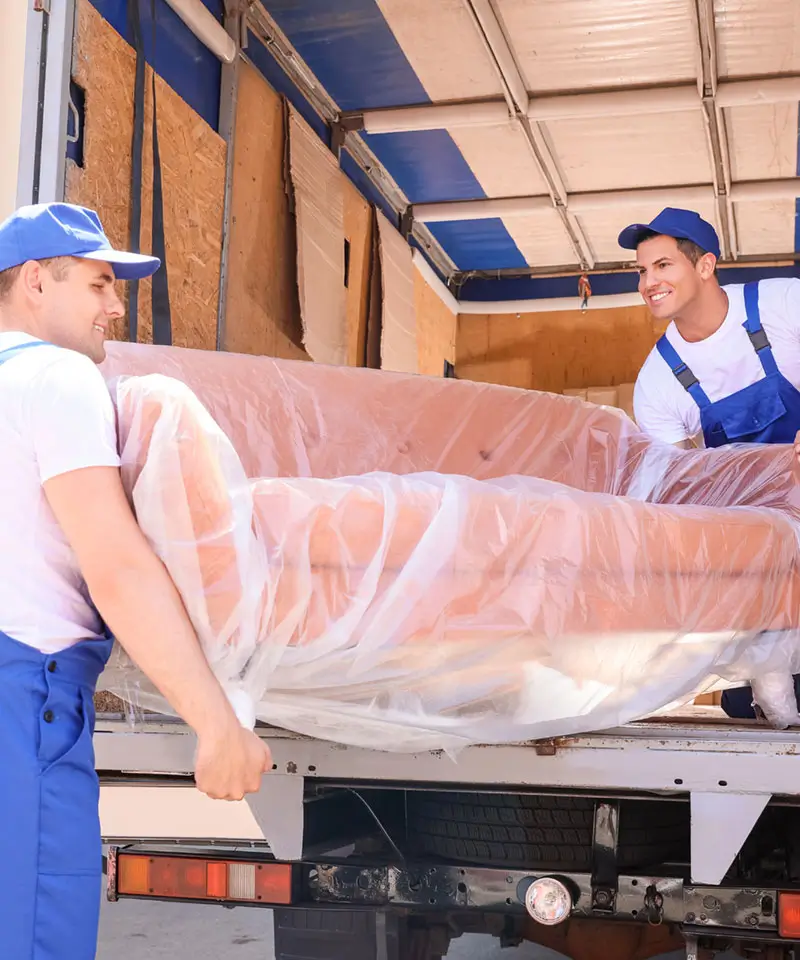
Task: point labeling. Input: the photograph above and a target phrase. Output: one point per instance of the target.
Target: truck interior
(436, 189)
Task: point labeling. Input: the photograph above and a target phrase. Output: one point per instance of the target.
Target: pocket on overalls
(70, 795)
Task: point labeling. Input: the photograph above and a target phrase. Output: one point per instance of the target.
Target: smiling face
(72, 303)
(670, 282)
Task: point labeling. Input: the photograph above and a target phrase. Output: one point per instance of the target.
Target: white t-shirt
(724, 363)
(56, 415)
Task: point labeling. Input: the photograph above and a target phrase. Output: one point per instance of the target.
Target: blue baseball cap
(47, 230)
(673, 222)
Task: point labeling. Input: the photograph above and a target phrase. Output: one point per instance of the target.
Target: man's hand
(231, 763)
(797, 445)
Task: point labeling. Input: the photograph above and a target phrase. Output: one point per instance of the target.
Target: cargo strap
(162, 320)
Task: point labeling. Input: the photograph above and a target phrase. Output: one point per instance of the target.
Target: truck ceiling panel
(541, 238)
(443, 47)
(571, 44)
(501, 159)
(370, 54)
(765, 226)
(755, 38)
(602, 227)
(763, 141)
(352, 51)
(615, 153)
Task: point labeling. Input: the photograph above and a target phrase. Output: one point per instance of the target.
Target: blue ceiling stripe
(352, 51)
(604, 284)
(426, 165)
(478, 244)
(186, 64)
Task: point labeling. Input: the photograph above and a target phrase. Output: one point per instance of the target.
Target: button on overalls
(768, 411)
(50, 846)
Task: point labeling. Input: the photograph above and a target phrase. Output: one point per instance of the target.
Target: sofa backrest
(291, 418)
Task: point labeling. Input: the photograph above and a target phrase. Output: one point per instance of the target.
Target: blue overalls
(50, 846)
(768, 411)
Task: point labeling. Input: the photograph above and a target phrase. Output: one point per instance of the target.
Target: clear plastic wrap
(409, 563)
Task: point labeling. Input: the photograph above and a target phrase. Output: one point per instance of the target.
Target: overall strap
(755, 331)
(682, 373)
(11, 352)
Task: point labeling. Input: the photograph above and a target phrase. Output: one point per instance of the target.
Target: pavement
(135, 930)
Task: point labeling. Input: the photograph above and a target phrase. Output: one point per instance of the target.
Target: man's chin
(664, 309)
(96, 352)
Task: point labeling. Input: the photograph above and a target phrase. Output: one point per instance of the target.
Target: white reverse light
(548, 901)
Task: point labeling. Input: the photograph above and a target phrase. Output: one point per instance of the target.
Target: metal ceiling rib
(719, 155)
(515, 137)
(487, 21)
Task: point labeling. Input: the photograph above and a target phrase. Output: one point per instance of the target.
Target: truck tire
(544, 832)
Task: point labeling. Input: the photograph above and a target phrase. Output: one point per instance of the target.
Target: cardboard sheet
(319, 214)
(399, 349)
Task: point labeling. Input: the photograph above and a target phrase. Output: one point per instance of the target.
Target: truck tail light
(789, 916)
(191, 878)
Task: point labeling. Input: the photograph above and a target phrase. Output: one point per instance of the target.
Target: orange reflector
(789, 915)
(217, 880)
(133, 875)
(189, 878)
(274, 885)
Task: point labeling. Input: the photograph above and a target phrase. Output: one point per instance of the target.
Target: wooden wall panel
(193, 169)
(358, 233)
(436, 329)
(104, 65)
(555, 351)
(262, 310)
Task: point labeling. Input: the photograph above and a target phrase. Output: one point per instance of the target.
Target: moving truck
(675, 832)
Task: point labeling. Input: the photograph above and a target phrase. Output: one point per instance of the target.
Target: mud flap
(721, 822)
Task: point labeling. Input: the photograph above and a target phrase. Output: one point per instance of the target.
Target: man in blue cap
(75, 570)
(727, 368)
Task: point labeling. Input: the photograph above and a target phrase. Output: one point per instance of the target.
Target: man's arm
(137, 599)
(654, 412)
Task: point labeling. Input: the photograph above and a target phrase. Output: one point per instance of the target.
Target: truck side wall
(556, 351)
(261, 312)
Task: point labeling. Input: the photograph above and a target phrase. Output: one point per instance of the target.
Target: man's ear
(706, 266)
(30, 279)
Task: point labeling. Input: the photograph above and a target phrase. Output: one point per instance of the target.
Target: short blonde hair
(58, 267)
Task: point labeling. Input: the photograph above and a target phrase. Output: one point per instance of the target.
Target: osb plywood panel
(555, 351)
(104, 66)
(436, 329)
(193, 182)
(358, 233)
(193, 175)
(262, 314)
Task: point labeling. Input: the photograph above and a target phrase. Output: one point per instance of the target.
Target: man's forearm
(143, 610)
